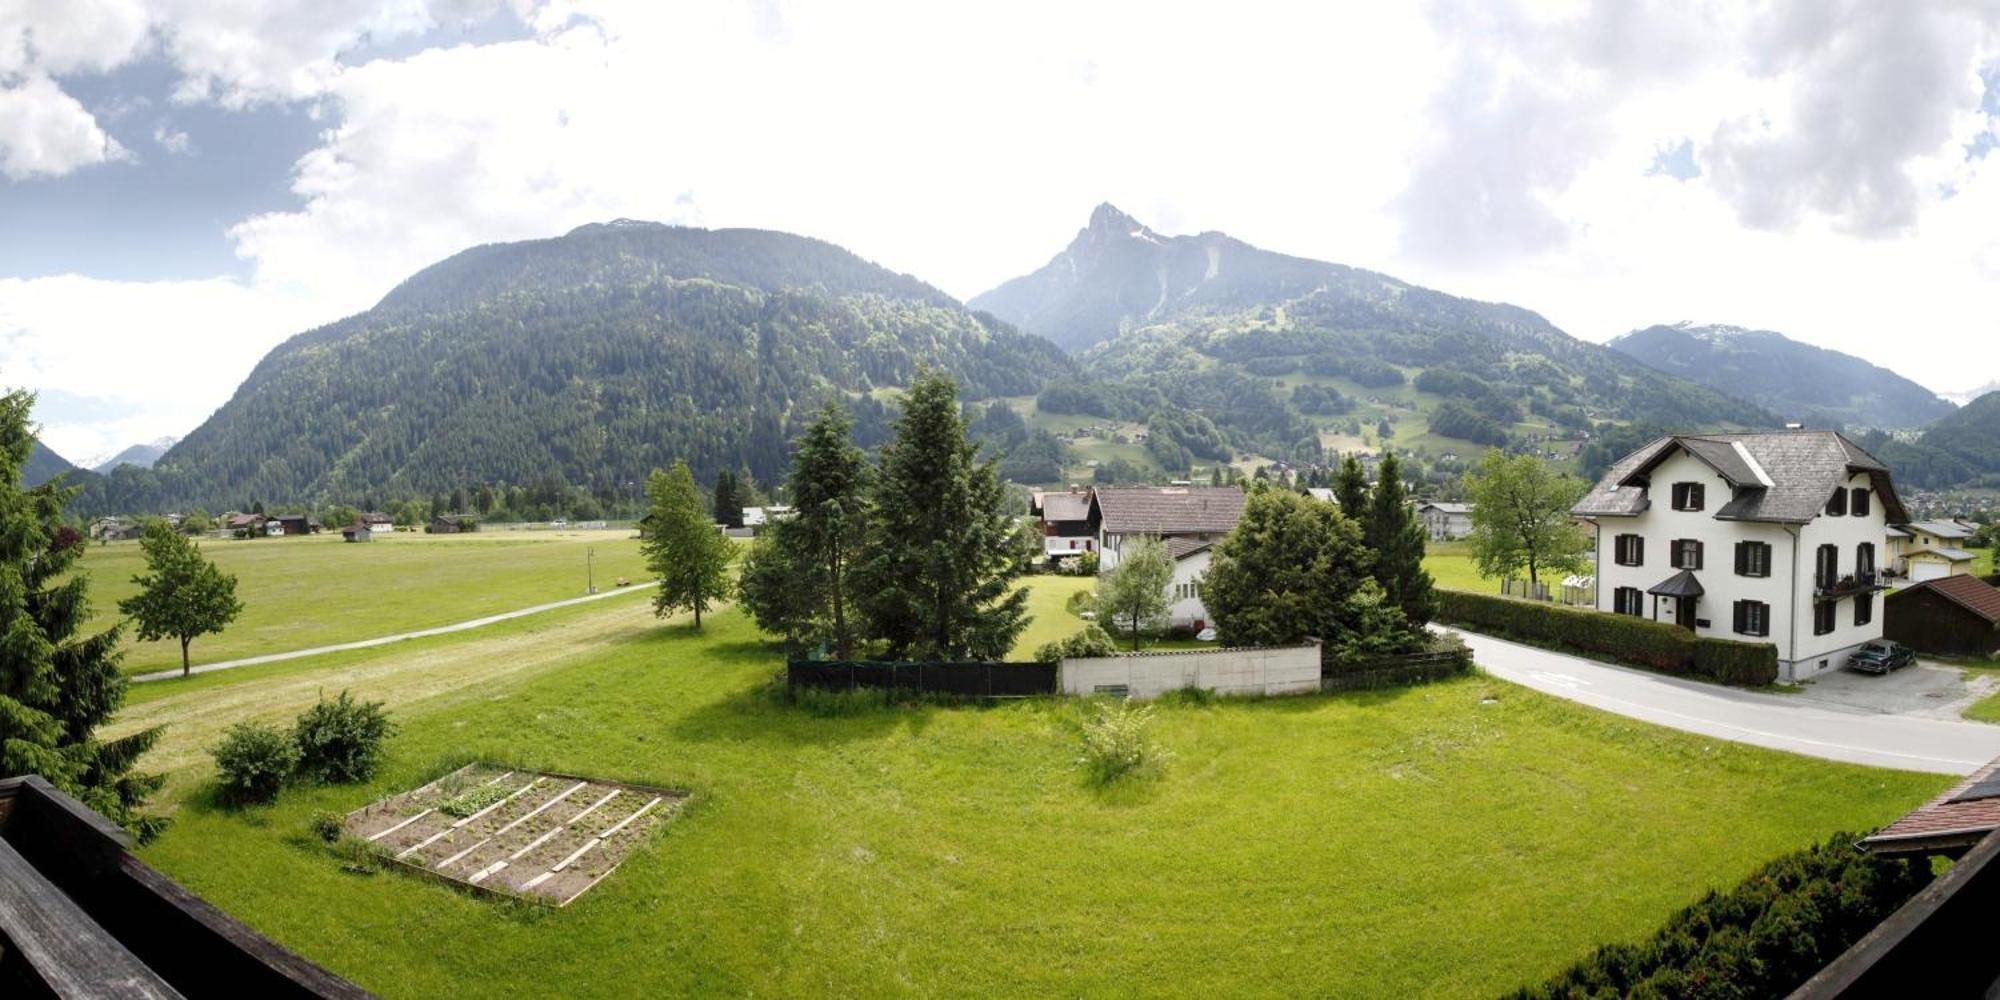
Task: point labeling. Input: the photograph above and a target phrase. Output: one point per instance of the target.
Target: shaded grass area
(1459, 838)
(316, 590)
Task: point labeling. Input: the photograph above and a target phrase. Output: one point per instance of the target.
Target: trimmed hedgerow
(1655, 646)
(1762, 938)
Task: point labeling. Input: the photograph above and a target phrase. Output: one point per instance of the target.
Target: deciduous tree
(682, 547)
(1133, 596)
(181, 595)
(1520, 517)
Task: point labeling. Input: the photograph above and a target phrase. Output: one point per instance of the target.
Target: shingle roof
(1969, 592)
(1681, 584)
(1447, 506)
(1941, 821)
(1943, 529)
(1164, 510)
(1802, 467)
(1065, 507)
(1180, 547)
(1954, 555)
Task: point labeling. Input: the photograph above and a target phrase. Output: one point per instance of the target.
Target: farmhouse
(1065, 523)
(1444, 520)
(1190, 513)
(252, 524)
(357, 532)
(378, 521)
(1763, 537)
(1957, 615)
(453, 524)
(290, 524)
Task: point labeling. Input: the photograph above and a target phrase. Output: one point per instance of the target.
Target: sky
(185, 184)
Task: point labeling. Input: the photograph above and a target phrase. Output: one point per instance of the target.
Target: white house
(1763, 537)
(1194, 513)
(1184, 594)
(1444, 520)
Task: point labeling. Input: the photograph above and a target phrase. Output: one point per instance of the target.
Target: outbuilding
(1955, 615)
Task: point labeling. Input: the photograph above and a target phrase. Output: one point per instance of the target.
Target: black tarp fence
(978, 679)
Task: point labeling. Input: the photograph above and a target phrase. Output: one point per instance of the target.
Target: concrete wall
(1262, 670)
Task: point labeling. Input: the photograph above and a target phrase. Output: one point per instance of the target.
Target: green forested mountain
(1284, 356)
(1797, 381)
(588, 359)
(43, 465)
(1961, 449)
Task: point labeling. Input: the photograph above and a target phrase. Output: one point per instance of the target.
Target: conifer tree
(682, 547)
(1290, 569)
(57, 687)
(828, 485)
(1350, 489)
(939, 578)
(728, 508)
(1392, 532)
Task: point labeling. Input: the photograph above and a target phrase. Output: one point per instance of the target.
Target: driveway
(1824, 722)
(1925, 689)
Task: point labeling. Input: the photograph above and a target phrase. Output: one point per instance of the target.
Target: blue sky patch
(1676, 162)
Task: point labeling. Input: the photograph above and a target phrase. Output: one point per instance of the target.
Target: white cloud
(173, 140)
(45, 132)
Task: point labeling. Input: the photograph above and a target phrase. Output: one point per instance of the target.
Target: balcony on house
(1830, 585)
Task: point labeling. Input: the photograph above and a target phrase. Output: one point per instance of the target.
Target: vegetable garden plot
(540, 836)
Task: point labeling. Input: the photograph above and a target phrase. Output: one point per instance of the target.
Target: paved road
(339, 647)
(1813, 727)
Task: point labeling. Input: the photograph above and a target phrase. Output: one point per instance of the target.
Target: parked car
(1879, 656)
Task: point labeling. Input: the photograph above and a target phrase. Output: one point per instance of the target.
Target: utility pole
(590, 568)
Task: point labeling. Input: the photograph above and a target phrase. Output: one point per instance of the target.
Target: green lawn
(1982, 562)
(1454, 839)
(315, 590)
(1451, 567)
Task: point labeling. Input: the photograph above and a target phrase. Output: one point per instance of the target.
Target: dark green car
(1879, 656)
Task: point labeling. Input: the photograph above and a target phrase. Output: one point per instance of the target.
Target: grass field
(1455, 839)
(312, 591)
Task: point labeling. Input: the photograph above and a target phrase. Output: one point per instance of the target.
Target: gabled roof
(1181, 547)
(1943, 529)
(1969, 592)
(1167, 510)
(1778, 476)
(1950, 554)
(1446, 506)
(1065, 507)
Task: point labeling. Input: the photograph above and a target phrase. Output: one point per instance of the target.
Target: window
(1686, 554)
(1823, 618)
(1753, 618)
(1864, 560)
(1864, 608)
(1187, 591)
(1826, 566)
(1858, 502)
(1836, 505)
(1753, 559)
(1629, 550)
(1688, 496)
(1628, 601)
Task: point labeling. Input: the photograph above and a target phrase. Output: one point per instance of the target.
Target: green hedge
(1656, 646)
(1443, 657)
(1763, 938)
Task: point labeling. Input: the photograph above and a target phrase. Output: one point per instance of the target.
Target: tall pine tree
(939, 579)
(828, 485)
(728, 507)
(1350, 489)
(57, 687)
(1391, 530)
(686, 553)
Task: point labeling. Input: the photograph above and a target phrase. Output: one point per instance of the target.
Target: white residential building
(1764, 537)
(1189, 520)
(1184, 594)
(1445, 520)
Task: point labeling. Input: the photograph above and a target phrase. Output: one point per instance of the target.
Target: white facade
(1790, 592)
(1184, 594)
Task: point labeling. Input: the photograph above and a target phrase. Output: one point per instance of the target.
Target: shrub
(255, 761)
(1081, 601)
(340, 741)
(1657, 646)
(1091, 641)
(1115, 743)
(1086, 564)
(1764, 937)
(327, 826)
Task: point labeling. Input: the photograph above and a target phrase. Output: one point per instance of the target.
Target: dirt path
(425, 633)
(440, 672)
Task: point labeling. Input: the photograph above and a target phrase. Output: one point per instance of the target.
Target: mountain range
(141, 455)
(1799, 381)
(43, 465)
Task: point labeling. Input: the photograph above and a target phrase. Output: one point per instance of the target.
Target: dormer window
(1688, 496)
(1836, 505)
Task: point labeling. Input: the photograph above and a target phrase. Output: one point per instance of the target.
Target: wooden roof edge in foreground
(1938, 944)
(74, 861)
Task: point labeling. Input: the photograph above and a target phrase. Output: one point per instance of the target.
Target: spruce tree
(682, 547)
(1350, 489)
(829, 493)
(939, 578)
(728, 508)
(1292, 568)
(57, 687)
(1392, 532)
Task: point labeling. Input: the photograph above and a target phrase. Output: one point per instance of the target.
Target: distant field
(1456, 839)
(315, 590)
(1451, 568)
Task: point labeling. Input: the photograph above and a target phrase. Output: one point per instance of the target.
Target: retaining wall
(1250, 670)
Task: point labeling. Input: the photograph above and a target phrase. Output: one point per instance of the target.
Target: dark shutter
(1741, 626)
(1695, 495)
(1638, 550)
(1860, 506)
(1742, 569)
(1836, 505)
(1697, 556)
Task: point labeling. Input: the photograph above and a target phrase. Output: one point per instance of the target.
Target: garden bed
(528, 834)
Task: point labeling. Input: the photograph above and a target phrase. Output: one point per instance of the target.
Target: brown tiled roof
(1942, 822)
(1166, 510)
(1969, 592)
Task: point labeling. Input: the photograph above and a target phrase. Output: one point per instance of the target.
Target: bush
(1762, 938)
(1091, 641)
(327, 826)
(340, 741)
(1081, 601)
(1656, 646)
(255, 761)
(1086, 564)
(1115, 744)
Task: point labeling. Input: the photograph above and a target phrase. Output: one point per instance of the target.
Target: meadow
(317, 590)
(1453, 839)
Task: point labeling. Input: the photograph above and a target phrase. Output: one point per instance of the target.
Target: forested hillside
(588, 359)
(1798, 381)
(1221, 347)
(43, 465)
(1962, 449)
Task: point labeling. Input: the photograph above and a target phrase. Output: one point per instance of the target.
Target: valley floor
(1455, 839)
